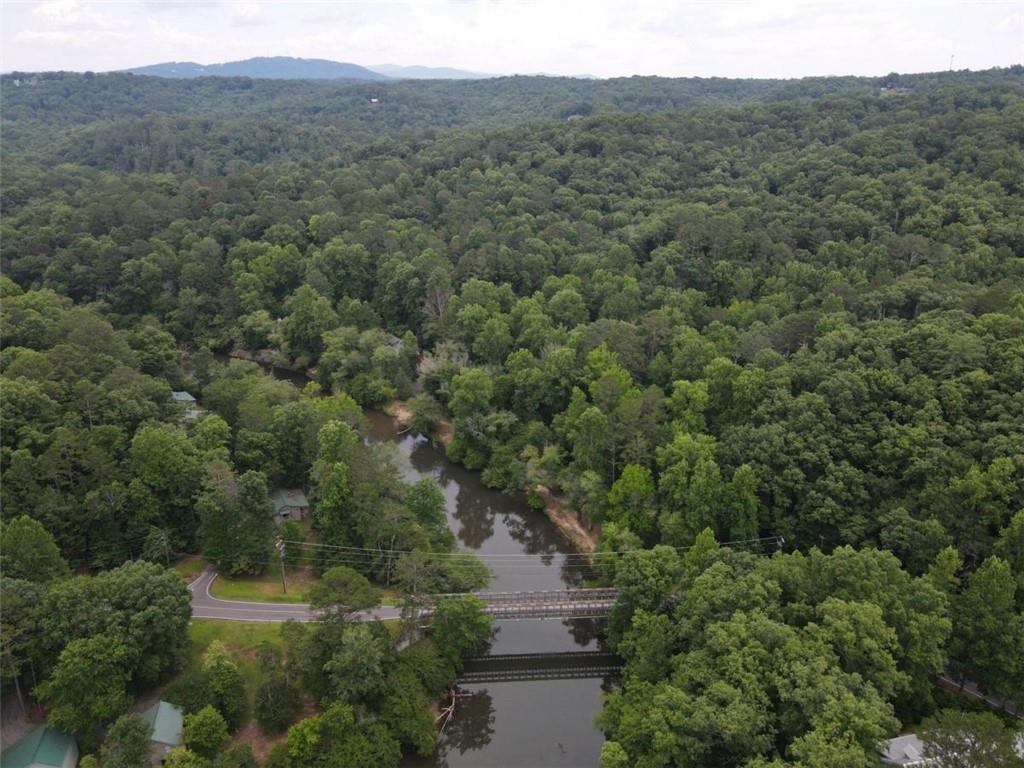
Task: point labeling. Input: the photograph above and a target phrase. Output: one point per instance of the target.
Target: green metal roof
(44, 746)
(166, 721)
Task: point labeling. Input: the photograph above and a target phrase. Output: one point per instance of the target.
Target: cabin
(289, 504)
(166, 726)
(191, 409)
(395, 343)
(45, 747)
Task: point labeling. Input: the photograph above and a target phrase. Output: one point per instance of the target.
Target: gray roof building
(167, 726)
(907, 751)
(289, 503)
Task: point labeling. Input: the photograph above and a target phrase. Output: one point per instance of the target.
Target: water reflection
(485, 520)
(473, 724)
(586, 632)
(522, 724)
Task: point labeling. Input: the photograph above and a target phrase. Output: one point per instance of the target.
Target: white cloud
(769, 38)
(164, 32)
(1012, 23)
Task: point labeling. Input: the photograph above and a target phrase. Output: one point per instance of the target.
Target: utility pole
(280, 552)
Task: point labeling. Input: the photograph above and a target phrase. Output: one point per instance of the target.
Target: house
(289, 504)
(191, 410)
(905, 751)
(45, 747)
(166, 723)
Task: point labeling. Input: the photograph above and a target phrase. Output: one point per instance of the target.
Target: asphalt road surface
(206, 606)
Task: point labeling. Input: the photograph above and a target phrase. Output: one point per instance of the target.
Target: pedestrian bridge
(544, 604)
(511, 667)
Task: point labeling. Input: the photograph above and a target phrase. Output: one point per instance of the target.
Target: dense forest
(691, 310)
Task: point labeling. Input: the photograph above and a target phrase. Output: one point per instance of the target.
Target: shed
(191, 410)
(166, 722)
(395, 343)
(44, 747)
(289, 504)
(906, 751)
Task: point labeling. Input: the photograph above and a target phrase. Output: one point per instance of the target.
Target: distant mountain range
(429, 73)
(289, 68)
(272, 67)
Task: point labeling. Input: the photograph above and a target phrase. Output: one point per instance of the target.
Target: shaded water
(534, 724)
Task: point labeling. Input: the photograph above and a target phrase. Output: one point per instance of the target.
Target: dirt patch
(16, 723)
(566, 521)
(399, 411)
(445, 432)
(259, 742)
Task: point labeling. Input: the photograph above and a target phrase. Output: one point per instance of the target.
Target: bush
(535, 501)
(277, 703)
(180, 757)
(424, 414)
(127, 743)
(238, 756)
(191, 691)
(205, 731)
(225, 684)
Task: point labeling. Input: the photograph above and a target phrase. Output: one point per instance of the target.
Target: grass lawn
(189, 567)
(265, 588)
(242, 638)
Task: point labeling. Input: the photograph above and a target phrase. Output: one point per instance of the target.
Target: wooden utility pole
(280, 552)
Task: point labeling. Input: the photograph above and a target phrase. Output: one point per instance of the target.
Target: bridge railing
(546, 596)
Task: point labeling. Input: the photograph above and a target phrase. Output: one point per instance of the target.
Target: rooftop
(166, 721)
(182, 397)
(44, 746)
(288, 497)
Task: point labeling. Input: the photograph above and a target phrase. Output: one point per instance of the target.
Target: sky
(605, 38)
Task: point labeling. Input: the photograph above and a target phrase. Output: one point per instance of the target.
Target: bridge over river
(524, 604)
(513, 667)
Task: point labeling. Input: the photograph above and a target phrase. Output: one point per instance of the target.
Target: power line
(498, 556)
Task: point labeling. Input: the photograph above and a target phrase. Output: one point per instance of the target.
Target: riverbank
(555, 505)
(556, 508)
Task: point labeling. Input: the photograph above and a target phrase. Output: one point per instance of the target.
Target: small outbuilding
(289, 504)
(44, 747)
(192, 410)
(167, 724)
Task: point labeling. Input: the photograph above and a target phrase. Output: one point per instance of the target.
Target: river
(531, 724)
(534, 724)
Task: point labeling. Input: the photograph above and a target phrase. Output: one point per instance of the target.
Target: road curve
(206, 606)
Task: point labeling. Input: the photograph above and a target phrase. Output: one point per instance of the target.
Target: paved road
(970, 690)
(206, 606)
(551, 604)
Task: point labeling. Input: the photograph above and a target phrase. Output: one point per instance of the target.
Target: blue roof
(182, 397)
